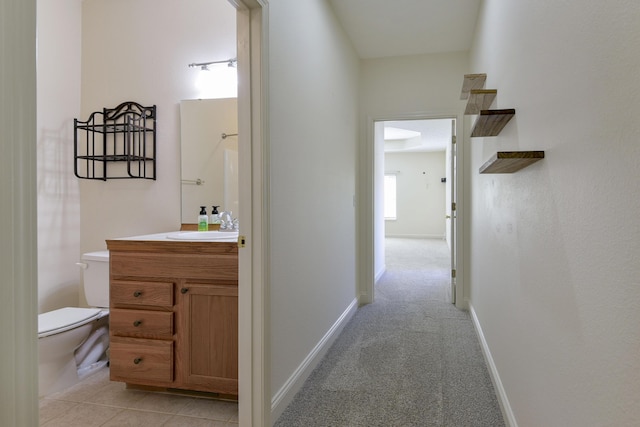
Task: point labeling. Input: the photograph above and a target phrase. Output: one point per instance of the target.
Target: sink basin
(204, 235)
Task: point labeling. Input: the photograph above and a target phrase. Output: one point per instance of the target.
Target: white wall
(139, 51)
(420, 194)
(59, 48)
(555, 247)
(313, 90)
(410, 87)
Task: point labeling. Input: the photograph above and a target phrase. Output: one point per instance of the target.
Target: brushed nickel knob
(137, 294)
(137, 360)
(184, 290)
(137, 323)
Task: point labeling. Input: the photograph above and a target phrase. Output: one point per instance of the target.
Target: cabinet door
(208, 337)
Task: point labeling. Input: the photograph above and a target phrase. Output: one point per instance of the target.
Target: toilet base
(67, 358)
(57, 376)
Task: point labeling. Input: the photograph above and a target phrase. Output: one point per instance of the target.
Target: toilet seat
(64, 319)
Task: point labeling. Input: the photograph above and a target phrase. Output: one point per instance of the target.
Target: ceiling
(384, 28)
(388, 28)
(422, 135)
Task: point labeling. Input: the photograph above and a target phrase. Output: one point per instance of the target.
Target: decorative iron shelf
(116, 143)
(491, 122)
(511, 161)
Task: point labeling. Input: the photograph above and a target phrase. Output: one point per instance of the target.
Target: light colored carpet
(409, 359)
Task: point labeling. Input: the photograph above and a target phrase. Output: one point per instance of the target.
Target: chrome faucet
(226, 220)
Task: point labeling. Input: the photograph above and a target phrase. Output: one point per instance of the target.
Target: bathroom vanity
(174, 313)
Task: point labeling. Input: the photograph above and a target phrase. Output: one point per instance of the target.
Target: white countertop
(187, 236)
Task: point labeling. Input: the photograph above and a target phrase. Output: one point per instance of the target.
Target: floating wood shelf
(511, 161)
(472, 81)
(491, 122)
(480, 99)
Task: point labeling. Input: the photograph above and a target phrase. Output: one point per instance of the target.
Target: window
(390, 196)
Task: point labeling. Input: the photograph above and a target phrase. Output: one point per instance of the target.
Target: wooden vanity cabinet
(209, 351)
(141, 320)
(174, 315)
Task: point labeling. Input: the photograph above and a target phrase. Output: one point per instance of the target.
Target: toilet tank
(96, 278)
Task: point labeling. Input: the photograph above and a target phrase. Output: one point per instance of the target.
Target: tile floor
(96, 401)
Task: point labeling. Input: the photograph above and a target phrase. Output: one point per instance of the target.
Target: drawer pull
(137, 323)
(184, 290)
(137, 294)
(137, 360)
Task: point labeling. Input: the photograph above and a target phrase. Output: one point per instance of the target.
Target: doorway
(414, 163)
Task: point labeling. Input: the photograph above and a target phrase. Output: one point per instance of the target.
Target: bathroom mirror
(209, 156)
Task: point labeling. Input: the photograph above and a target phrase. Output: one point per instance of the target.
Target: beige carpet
(409, 359)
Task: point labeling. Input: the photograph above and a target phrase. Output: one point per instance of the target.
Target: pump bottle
(214, 219)
(203, 219)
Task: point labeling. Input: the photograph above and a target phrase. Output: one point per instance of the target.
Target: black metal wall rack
(116, 143)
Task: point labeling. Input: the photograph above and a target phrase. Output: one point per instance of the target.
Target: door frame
(367, 224)
(254, 397)
(18, 215)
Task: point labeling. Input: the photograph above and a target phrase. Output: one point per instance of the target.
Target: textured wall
(555, 246)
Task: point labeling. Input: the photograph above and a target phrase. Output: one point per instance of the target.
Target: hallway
(409, 359)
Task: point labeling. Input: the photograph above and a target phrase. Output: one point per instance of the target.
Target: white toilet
(73, 341)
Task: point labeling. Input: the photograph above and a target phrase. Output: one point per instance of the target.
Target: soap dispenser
(203, 219)
(214, 219)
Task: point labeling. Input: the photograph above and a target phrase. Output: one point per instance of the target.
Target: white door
(452, 216)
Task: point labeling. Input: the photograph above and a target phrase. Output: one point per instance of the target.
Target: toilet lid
(63, 319)
(96, 256)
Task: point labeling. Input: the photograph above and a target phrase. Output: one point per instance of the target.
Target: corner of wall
(283, 397)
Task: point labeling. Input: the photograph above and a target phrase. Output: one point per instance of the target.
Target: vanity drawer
(141, 323)
(153, 294)
(134, 358)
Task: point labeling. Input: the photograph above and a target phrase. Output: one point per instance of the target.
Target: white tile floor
(96, 401)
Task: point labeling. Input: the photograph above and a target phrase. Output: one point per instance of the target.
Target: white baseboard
(287, 392)
(380, 274)
(364, 296)
(503, 400)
